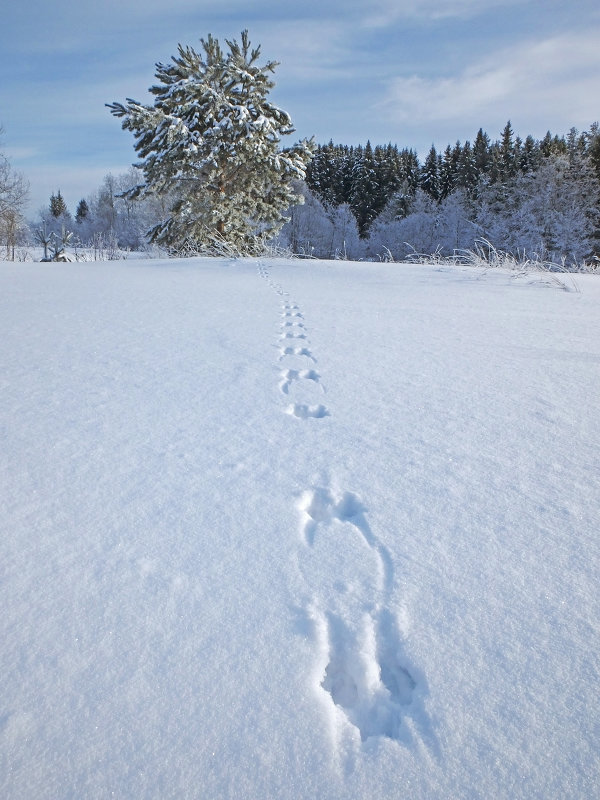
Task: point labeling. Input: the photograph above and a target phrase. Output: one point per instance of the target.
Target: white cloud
(556, 79)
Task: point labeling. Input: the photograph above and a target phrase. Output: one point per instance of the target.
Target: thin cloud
(384, 12)
(20, 153)
(308, 51)
(536, 78)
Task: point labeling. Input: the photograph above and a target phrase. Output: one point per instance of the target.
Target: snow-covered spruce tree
(430, 174)
(212, 141)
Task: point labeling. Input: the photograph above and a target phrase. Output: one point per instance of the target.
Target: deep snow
(298, 529)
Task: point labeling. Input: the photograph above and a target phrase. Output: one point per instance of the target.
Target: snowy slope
(298, 529)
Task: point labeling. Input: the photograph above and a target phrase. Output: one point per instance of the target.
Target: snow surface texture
(297, 530)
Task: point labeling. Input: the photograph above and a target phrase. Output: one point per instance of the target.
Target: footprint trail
(295, 350)
(349, 578)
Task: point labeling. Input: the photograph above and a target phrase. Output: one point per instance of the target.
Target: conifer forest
(524, 196)
(537, 198)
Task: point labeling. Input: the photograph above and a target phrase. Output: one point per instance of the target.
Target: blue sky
(413, 72)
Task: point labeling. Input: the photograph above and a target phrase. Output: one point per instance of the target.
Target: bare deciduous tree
(14, 191)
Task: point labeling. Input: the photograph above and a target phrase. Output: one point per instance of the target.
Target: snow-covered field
(298, 530)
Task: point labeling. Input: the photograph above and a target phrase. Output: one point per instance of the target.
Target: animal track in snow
(292, 335)
(396, 678)
(296, 351)
(365, 674)
(290, 376)
(320, 507)
(293, 324)
(264, 273)
(303, 411)
(294, 330)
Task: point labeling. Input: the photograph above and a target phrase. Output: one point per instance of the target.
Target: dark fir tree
(364, 188)
(593, 151)
(507, 154)
(594, 148)
(430, 178)
(481, 152)
(449, 170)
(58, 206)
(529, 159)
(83, 211)
(466, 170)
(410, 167)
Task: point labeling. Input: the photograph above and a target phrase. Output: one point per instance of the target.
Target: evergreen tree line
(532, 196)
(527, 197)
